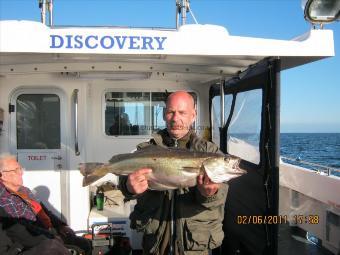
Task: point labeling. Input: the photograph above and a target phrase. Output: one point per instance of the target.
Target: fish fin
(156, 148)
(191, 169)
(109, 177)
(158, 186)
(150, 148)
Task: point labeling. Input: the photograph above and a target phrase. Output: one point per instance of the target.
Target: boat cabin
(70, 95)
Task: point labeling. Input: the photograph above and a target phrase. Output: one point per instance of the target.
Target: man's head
(179, 114)
(10, 172)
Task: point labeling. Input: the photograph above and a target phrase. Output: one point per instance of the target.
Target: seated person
(121, 125)
(19, 203)
(19, 238)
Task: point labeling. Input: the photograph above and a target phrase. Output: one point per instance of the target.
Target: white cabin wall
(4, 106)
(77, 195)
(94, 144)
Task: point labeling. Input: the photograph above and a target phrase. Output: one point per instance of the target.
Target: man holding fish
(178, 181)
(185, 220)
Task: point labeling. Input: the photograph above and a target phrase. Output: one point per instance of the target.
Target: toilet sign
(40, 160)
(37, 157)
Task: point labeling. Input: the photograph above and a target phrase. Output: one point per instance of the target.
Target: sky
(310, 94)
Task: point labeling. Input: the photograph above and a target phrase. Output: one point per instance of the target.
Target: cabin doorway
(38, 140)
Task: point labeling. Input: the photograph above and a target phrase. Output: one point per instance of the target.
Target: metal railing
(320, 169)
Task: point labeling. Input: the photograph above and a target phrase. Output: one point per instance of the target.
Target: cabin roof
(198, 52)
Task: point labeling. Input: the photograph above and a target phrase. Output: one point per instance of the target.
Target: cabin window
(134, 113)
(38, 121)
(216, 115)
(243, 138)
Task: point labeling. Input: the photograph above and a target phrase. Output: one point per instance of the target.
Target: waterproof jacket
(198, 218)
(18, 235)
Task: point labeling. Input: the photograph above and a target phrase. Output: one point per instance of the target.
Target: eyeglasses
(17, 170)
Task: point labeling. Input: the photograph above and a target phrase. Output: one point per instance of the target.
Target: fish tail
(92, 172)
(89, 168)
(90, 179)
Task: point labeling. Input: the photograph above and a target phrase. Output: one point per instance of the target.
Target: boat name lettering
(107, 42)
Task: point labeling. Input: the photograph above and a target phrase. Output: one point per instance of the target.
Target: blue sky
(310, 95)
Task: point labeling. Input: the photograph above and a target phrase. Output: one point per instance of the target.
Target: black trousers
(48, 246)
(80, 242)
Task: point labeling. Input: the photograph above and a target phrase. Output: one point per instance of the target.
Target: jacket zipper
(172, 216)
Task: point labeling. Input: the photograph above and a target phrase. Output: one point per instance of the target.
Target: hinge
(11, 108)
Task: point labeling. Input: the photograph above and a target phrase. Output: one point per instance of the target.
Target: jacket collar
(163, 139)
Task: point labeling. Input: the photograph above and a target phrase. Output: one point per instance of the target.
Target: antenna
(46, 5)
(50, 10)
(182, 7)
(42, 6)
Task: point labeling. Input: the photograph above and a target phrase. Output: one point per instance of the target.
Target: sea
(316, 148)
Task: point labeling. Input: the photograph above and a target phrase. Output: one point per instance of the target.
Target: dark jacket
(18, 235)
(198, 218)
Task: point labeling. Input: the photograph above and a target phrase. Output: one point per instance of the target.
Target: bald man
(185, 221)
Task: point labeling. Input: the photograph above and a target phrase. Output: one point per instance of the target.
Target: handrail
(327, 168)
(75, 101)
(222, 102)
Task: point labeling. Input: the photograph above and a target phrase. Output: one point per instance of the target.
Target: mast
(42, 6)
(46, 5)
(182, 7)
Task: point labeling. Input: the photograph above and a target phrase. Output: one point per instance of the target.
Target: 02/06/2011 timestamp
(306, 219)
(262, 219)
(278, 219)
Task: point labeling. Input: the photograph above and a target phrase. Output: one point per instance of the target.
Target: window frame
(136, 90)
(16, 119)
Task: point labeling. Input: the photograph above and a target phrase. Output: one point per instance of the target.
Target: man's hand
(137, 182)
(205, 186)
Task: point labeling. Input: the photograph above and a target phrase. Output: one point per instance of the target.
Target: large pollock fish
(171, 168)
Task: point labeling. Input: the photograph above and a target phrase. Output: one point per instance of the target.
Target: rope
(192, 14)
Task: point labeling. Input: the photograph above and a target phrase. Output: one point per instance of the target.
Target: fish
(171, 168)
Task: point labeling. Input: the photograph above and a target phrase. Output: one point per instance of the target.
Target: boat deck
(292, 241)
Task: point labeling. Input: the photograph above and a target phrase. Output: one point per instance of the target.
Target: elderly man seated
(19, 203)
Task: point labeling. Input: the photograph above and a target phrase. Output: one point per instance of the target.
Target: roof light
(321, 11)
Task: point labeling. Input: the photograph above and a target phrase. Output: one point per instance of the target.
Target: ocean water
(318, 148)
